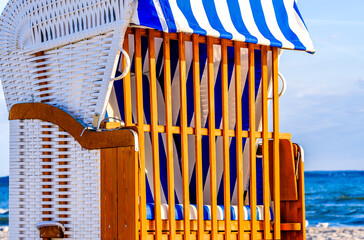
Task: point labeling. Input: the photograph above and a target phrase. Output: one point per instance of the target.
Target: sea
(335, 197)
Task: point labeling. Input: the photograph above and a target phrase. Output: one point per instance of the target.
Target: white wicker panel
(52, 178)
(62, 52)
(25, 179)
(75, 75)
(80, 40)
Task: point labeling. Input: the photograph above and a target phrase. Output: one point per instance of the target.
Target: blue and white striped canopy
(276, 23)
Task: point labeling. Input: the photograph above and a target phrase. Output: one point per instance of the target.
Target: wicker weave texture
(52, 178)
(64, 53)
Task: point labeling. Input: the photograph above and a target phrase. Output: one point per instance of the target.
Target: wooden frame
(122, 168)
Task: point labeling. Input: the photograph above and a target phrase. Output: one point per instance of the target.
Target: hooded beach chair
(149, 119)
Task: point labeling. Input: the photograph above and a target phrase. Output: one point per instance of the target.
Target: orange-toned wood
(127, 192)
(127, 89)
(266, 194)
(294, 211)
(89, 139)
(109, 194)
(276, 181)
(188, 37)
(184, 137)
(226, 139)
(198, 134)
(252, 142)
(217, 132)
(110, 125)
(239, 139)
(219, 236)
(292, 226)
(169, 135)
(119, 173)
(212, 144)
(140, 127)
(49, 232)
(154, 134)
(287, 170)
(301, 199)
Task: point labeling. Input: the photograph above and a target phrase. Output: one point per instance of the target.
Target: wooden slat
(127, 90)
(226, 139)
(212, 144)
(201, 39)
(140, 126)
(217, 132)
(301, 189)
(267, 234)
(221, 226)
(109, 196)
(127, 189)
(252, 143)
(154, 134)
(184, 137)
(239, 140)
(198, 147)
(276, 183)
(169, 135)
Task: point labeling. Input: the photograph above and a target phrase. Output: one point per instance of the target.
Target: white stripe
(160, 15)
(247, 15)
(222, 9)
(271, 20)
(180, 20)
(297, 25)
(201, 18)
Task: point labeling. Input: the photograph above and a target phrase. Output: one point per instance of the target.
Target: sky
(323, 106)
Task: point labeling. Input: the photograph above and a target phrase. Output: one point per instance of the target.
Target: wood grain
(57, 116)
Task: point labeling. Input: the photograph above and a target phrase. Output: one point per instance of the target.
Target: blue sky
(323, 106)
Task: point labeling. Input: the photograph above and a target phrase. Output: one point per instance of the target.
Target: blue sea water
(334, 197)
(4, 201)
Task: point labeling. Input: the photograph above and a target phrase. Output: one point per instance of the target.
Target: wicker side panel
(25, 179)
(52, 178)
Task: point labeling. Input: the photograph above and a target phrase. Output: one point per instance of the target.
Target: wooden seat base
(221, 229)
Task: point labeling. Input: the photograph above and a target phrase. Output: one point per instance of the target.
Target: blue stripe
(282, 19)
(295, 7)
(186, 9)
(257, 10)
(214, 20)
(237, 20)
(147, 14)
(168, 15)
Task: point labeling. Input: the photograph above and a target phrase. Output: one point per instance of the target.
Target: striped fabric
(276, 23)
(207, 212)
(116, 108)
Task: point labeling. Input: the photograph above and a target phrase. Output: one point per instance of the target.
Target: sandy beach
(335, 233)
(313, 233)
(4, 233)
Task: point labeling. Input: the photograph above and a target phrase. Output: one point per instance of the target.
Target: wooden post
(266, 203)
(252, 143)
(169, 136)
(276, 183)
(119, 182)
(198, 147)
(226, 138)
(212, 143)
(239, 140)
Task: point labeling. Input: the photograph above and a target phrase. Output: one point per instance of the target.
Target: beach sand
(4, 233)
(313, 233)
(335, 233)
